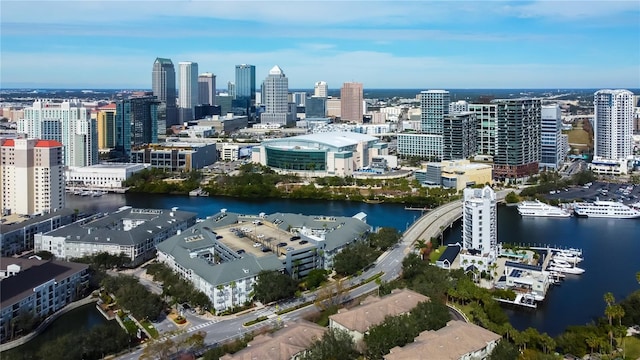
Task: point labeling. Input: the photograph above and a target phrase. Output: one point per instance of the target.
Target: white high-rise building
(458, 106)
(32, 176)
(188, 91)
(551, 151)
(275, 90)
(434, 105)
(68, 122)
(613, 124)
(479, 228)
(320, 89)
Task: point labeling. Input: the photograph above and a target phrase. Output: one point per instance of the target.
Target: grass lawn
(632, 347)
(150, 328)
(435, 254)
(131, 327)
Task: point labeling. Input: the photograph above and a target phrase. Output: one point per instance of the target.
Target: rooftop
(13, 222)
(333, 139)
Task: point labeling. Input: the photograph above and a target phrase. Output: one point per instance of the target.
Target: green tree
(512, 198)
(335, 344)
(273, 286)
(315, 278)
(504, 351)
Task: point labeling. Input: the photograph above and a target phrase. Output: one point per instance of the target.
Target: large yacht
(538, 208)
(605, 209)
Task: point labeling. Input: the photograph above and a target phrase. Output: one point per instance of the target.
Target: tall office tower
(486, 115)
(106, 119)
(551, 149)
(188, 92)
(517, 138)
(231, 89)
(163, 84)
(351, 101)
(316, 107)
(136, 124)
(613, 124)
(459, 135)
(206, 89)
(320, 89)
(276, 99)
(434, 105)
(246, 84)
(458, 106)
(299, 98)
(68, 122)
(32, 174)
(480, 226)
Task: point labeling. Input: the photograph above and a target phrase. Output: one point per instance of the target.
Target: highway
(222, 329)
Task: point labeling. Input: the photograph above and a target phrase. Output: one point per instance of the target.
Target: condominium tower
(276, 99)
(434, 105)
(320, 89)
(206, 89)
(613, 124)
(188, 92)
(32, 176)
(351, 102)
(459, 135)
(163, 84)
(486, 115)
(479, 228)
(106, 120)
(136, 124)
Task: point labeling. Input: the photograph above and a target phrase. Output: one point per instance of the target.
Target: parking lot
(598, 191)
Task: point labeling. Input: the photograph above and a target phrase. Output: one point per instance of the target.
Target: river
(610, 246)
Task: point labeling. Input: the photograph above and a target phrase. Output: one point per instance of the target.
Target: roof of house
(374, 310)
(281, 345)
(450, 253)
(25, 221)
(33, 272)
(449, 343)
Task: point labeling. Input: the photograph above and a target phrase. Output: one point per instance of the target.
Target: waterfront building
(456, 174)
(223, 255)
(105, 175)
(551, 151)
(425, 146)
(319, 154)
(517, 139)
(531, 278)
(434, 105)
(316, 107)
(320, 89)
(458, 340)
(163, 85)
(206, 89)
(16, 232)
(613, 124)
(132, 232)
(276, 99)
(373, 311)
(38, 287)
(458, 106)
(175, 156)
(69, 123)
(31, 176)
(479, 229)
(351, 102)
(136, 124)
(188, 92)
(459, 135)
(487, 116)
(106, 122)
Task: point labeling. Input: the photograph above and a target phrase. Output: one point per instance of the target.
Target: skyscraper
(434, 105)
(459, 135)
(276, 99)
(613, 125)
(517, 138)
(486, 115)
(320, 89)
(163, 84)
(68, 122)
(479, 228)
(245, 85)
(206, 89)
(32, 176)
(136, 124)
(188, 92)
(351, 102)
(106, 121)
(551, 149)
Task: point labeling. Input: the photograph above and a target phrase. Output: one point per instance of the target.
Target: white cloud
(565, 10)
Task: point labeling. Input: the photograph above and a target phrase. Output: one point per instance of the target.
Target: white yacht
(605, 209)
(563, 266)
(538, 208)
(568, 256)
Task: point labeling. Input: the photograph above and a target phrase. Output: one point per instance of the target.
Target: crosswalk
(201, 326)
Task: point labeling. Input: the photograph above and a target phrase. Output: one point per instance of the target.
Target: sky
(383, 44)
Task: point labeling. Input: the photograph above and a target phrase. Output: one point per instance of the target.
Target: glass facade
(245, 86)
(136, 123)
(291, 159)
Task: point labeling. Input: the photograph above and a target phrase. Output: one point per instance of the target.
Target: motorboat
(568, 256)
(566, 270)
(605, 209)
(538, 208)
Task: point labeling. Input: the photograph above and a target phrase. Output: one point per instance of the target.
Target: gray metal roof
(4, 228)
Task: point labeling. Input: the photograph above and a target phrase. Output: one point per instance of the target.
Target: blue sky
(383, 44)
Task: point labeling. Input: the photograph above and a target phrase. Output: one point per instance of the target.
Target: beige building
(106, 119)
(455, 174)
(334, 107)
(32, 176)
(351, 102)
(458, 340)
(373, 311)
(284, 344)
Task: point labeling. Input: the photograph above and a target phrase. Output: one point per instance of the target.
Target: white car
(257, 245)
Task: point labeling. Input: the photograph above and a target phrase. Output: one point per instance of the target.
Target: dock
(522, 299)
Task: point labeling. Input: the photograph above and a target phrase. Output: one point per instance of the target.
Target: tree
(384, 238)
(511, 198)
(315, 278)
(504, 351)
(331, 294)
(335, 344)
(273, 286)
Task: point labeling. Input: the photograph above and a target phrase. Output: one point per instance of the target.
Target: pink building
(351, 99)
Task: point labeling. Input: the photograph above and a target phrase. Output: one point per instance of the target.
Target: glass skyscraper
(245, 86)
(163, 84)
(136, 124)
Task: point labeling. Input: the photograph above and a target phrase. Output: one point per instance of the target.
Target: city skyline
(416, 44)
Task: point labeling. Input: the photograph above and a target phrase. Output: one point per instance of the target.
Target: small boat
(373, 201)
(567, 256)
(566, 270)
(97, 193)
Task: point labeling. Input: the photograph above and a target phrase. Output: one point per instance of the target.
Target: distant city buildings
(31, 176)
(163, 85)
(613, 124)
(188, 92)
(351, 102)
(487, 116)
(175, 156)
(136, 124)
(459, 135)
(552, 152)
(244, 89)
(276, 99)
(316, 107)
(106, 122)
(434, 105)
(206, 89)
(320, 89)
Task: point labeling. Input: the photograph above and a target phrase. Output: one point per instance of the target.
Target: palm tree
(420, 245)
(233, 286)
(592, 342)
(638, 277)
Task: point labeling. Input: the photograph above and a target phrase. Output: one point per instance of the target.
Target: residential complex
(613, 128)
(188, 91)
(351, 102)
(68, 122)
(459, 135)
(16, 233)
(31, 176)
(133, 232)
(434, 105)
(275, 90)
(223, 255)
(426, 146)
(487, 117)
(163, 85)
(479, 229)
(38, 287)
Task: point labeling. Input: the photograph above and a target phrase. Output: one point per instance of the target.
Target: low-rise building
(529, 279)
(17, 232)
(106, 175)
(456, 174)
(176, 156)
(458, 340)
(600, 166)
(134, 232)
(223, 255)
(373, 311)
(226, 124)
(37, 287)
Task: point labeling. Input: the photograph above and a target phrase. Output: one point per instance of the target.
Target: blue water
(611, 247)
